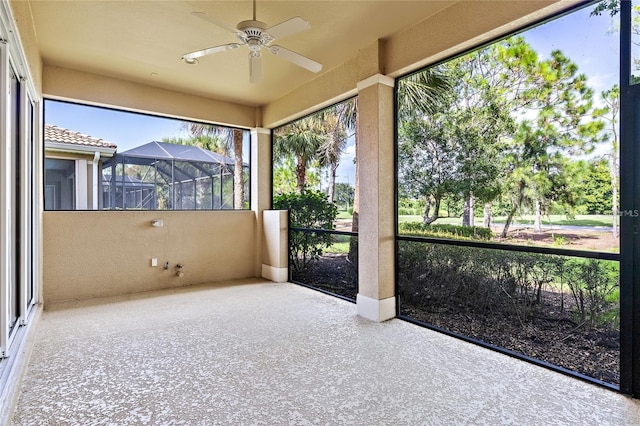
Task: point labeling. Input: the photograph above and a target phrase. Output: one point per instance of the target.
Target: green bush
(594, 284)
(473, 280)
(445, 231)
(310, 209)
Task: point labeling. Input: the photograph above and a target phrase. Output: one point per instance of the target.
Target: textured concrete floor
(259, 353)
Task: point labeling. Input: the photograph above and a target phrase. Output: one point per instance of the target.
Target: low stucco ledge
(374, 309)
(272, 273)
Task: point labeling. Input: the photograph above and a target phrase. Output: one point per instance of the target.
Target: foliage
(468, 279)
(344, 193)
(338, 123)
(591, 283)
(316, 140)
(452, 149)
(503, 131)
(595, 189)
(444, 231)
(309, 209)
(612, 7)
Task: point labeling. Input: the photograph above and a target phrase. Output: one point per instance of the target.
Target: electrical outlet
(154, 261)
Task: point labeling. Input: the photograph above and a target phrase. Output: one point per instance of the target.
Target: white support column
(95, 183)
(81, 185)
(275, 256)
(260, 186)
(376, 234)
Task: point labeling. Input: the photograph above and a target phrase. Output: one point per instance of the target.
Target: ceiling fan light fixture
(188, 60)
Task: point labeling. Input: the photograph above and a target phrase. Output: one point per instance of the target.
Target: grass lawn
(579, 220)
(344, 214)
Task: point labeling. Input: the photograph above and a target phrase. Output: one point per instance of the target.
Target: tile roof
(60, 135)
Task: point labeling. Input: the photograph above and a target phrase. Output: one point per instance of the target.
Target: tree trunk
(507, 224)
(301, 175)
(514, 208)
(427, 220)
(486, 222)
(537, 224)
(427, 209)
(331, 191)
(238, 171)
(467, 212)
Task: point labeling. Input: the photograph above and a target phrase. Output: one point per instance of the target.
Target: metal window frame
(629, 201)
(25, 241)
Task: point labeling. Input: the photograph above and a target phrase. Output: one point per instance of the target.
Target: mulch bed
(551, 336)
(332, 273)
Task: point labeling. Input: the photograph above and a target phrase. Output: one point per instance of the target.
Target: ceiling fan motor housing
(252, 32)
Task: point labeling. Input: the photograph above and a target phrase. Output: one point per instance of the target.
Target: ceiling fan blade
(288, 27)
(296, 58)
(210, 50)
(255, 67)
(213, 20)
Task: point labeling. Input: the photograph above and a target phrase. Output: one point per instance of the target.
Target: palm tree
(419, 93)
(300, 140)
(331, 150)
(234, 139)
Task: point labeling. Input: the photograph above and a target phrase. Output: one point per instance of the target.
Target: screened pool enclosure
(166, 176)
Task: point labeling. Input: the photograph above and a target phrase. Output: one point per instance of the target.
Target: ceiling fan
(257, 35)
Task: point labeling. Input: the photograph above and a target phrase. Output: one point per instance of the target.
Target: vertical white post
(260, 186)
(81, 185)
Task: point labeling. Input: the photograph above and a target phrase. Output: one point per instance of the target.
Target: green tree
(344, 194)
(611, 115)
(449, 149)
(595, 188)
(337, 126)
(557, 120)
(300, 141)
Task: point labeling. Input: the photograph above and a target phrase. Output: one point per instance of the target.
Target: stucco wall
(95, 254)
(69, 84)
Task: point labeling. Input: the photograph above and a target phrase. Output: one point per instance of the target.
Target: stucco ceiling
(143, 41)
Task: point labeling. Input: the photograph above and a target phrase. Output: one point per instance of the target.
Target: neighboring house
(73, 169)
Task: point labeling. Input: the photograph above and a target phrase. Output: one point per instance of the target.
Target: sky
(588, 41)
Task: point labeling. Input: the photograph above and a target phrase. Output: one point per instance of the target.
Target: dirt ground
(553, 337)
(560, 238)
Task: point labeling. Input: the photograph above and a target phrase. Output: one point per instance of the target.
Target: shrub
(310, 209)
(439, 277)
(592, 283)
(445, 231)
